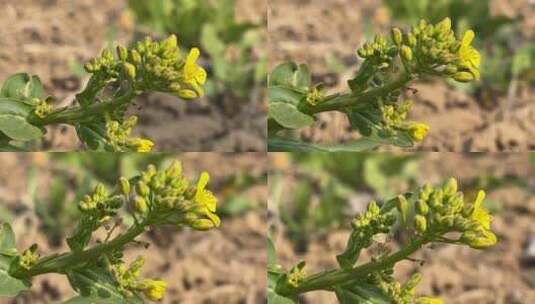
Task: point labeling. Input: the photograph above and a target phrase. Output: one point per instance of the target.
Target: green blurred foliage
(212, 26)
(505, 53)
(327, 183)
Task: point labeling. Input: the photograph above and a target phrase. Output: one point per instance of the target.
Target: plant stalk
(339, 102)
(73, 115)
(326, 279)
(63, 262)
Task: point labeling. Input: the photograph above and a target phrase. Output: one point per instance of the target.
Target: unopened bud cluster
(434, 49)
(118, 136)
(100, 205)
(129, 281)
(365, 227)
(441, 210)
(167, 197)
(153, 66)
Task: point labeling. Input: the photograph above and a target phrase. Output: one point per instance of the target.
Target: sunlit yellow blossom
(203, 196)
(480, 214)
(154, 289)
(194, 75)
(418, 131)
(469, 57)
(142, 144)
(429, 300)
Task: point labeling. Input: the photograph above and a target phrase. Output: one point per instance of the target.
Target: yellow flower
(194, 75)
(418, 131)
(142, 144)
(469, 57)
(154, 289)
(206, 200)
(429, 300)
(203, 196)
(480, 214)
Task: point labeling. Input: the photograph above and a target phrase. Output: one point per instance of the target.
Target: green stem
(72, 115)
(338, 102)
(63, 262)
(327, 279)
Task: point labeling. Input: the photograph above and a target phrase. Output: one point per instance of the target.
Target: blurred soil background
(39, 194)
(54, 38)
(314, 197)
(498, 114)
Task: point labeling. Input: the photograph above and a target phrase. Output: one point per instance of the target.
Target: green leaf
(359, 145)
(289, 116)
(9, 286)
(16, 127)
(284, 94)
(361, 294)
(271, 253)
(97, 285)
(92, 135)
(289, 74)
(7, 240)
(13, 106)
(274, 298)
(22, 87)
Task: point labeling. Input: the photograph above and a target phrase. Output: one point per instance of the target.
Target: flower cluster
(118, 136)
(100, 205)
(425, 50)
(129, 281)
(434, 49)
(365, 227)
(153, 66)
(429, 215)
(166, 197)
(442, 209)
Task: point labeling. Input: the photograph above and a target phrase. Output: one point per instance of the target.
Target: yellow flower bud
(202, 224)
(142, 189)
(403, 207)
(130, 70)
(450, 188)
(444, 26)
(154, 289)
(429, 300)
(140, 204)
(135, 56)
(124, 186)
(406, 53)
(170, 43)
(463, 77)
(418, 131)
(397, 36)
(187, 94)
(479, 239)
(175, 169)
(122, 53)
(420, 223)
(422, 207)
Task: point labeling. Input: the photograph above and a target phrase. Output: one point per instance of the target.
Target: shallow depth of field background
(54, 38)
(312, 199)
(498, 114)
(38, 196)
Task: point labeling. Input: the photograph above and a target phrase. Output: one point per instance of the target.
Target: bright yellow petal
(468, 37)
(203, 181)
(193, 55)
